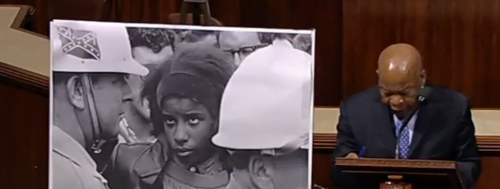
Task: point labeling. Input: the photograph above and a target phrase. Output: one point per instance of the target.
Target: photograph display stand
(199, 7)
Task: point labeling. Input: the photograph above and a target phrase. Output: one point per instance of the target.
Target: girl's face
(188, 130)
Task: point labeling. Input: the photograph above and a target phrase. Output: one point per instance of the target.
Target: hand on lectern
(352, 156)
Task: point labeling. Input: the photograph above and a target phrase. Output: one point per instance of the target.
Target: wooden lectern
(401, 173)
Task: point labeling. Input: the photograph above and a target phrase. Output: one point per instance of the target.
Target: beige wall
(31, 53)
(21, 49)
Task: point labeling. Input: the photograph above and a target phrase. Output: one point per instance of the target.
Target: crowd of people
(155, 108)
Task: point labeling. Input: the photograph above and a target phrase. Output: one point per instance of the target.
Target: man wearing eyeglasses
(239, 44)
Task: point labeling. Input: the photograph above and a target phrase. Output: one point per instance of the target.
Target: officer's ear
(75, 92)
(261, 170)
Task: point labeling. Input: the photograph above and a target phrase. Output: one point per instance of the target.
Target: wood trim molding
(324, 141)
(18, 75)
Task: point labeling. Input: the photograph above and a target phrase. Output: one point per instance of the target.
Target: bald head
(399, 58)
(401, 76)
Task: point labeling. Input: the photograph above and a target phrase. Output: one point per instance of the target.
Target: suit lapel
(384, 130)
(423, 124)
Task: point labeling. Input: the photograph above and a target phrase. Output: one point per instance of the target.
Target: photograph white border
(311, 32)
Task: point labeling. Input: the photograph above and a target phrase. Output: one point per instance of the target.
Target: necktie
(404, 141)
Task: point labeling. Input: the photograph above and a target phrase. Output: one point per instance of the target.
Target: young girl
(185, 113)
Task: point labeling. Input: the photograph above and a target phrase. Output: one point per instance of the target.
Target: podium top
(418, 169)
(397, 163)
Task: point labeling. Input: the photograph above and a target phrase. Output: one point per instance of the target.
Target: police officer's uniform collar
(69, 148)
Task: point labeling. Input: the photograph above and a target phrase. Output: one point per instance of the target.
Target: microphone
(423, 94)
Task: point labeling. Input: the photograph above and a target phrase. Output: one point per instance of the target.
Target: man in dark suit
(442, 128)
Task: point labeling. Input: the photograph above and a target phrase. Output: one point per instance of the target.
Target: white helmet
(81, 46)
(267, 103)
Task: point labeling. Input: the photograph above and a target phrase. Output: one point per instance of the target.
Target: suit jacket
(443, 131)
(132, 166)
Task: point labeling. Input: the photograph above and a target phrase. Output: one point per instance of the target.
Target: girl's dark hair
(206, 61)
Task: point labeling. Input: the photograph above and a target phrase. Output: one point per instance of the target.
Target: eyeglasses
(246, 50)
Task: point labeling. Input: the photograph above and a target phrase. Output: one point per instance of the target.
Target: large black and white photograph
(150, 106)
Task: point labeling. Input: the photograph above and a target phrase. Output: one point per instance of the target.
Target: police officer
(90, 62)
(265, 119)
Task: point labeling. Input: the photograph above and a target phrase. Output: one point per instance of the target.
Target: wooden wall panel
(23, 119)
(458, 40)
(71, 9)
